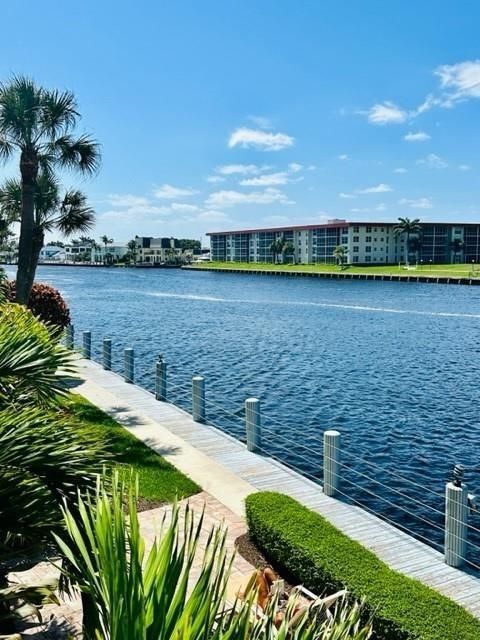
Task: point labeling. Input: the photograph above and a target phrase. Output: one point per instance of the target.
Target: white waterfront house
(95, 253)
(52, 253)
(151, 250)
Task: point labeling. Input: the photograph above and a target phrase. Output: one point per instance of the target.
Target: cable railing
(387, 494)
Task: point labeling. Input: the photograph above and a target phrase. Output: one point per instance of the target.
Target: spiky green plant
(33, 364)
(129, 594)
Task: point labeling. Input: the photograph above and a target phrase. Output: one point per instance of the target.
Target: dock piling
(107, 354)
(198, 398)
(161, 379)
(69, 336)
(87, 344)
(129, 367)
(456, 515)
(331, 462)
(253, 424)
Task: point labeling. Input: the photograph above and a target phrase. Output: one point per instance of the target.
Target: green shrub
(303, 544)
(46, 303)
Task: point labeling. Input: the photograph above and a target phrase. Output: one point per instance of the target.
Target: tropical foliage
(340, 254)
(37, 124)
(45, 302)
(32, 362)
(407, 227)
(53, 211)
(129, 594)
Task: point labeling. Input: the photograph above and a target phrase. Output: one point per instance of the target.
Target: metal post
(161, 379)
(198, 398)
(69, 336)
(456, 515)
(107, 354)
(253, 424)
(87, 344)
(331, 462)
(129, 368)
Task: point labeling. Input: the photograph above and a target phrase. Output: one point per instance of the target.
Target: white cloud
(262, 140)
(214, 179)
(311, 167)
(379, 188)
(242, 169)
(267, 180)
(400, 170)
(294, 167)
(213, 216)
(344, 156)
(432, 161)
(230, 198)
(461, 80)
(386, 113)
(185, 208)
(261, 122)
(167, 192)
(464, 167)
(379, 207)
(419, 136)
(126, 200)
(346, 196)
(418, 203)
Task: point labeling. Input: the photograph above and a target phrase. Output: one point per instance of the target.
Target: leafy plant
(32, 362)
(45, 302)
(306, 545)
(129, 594)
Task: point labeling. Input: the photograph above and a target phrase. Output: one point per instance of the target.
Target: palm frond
(75, 214)
(20, 102)
(33, 364)
(11, 200)
(81, 153)
(58, 113)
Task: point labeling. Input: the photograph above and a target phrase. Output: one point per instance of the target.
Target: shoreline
(389, 277)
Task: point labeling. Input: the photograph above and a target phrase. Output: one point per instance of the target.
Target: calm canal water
(393, 366)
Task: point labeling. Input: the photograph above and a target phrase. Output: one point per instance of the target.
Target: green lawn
(434, 270)
(159, 481)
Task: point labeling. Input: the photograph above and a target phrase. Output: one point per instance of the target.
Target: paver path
(67, 617)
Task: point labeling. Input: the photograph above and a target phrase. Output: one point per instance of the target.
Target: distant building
(366, 243)
(52, 253)
(160, 250)
(95, 252)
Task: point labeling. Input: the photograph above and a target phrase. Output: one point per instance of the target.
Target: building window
(368, 249)
(355, 229)
(368, 238)
(355, 258)
(355, 238)
(355, 249)
(368, 229)
(368, 258)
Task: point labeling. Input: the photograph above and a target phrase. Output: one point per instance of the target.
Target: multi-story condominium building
(158, 250)
(365, 242)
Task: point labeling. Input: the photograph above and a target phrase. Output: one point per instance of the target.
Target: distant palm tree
(414, 245)
(340, 254)
(457, 247)
(407, 227)
(288, 249)
(68, 213)
(276, 247)
(37, 124)
(106, 241)
(132, 248)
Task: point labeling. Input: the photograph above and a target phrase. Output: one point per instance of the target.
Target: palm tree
(68, 213)
(414, 246)
(38, 124)
(132, 248)
(276, 247)
(106, 241)
(288, 249)
(407, 227)
(457, 247)
(340, 254)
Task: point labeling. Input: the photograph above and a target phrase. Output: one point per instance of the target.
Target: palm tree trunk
(29, 171)
(37, 245)
(407, 250)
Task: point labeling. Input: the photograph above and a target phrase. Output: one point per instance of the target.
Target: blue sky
(227, 114)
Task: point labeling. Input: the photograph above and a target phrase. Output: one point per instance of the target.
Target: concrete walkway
(224, 468)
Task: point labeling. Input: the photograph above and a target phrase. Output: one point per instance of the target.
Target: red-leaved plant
(45, 302)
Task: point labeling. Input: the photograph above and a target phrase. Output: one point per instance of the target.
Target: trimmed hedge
(305, 545)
